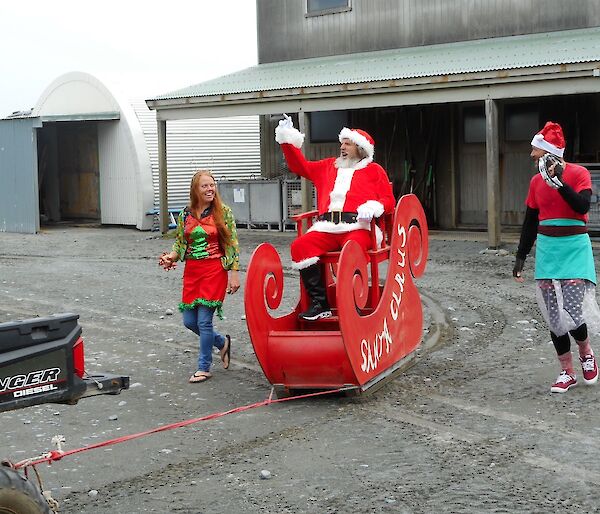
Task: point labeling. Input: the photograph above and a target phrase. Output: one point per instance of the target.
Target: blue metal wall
(19, 203)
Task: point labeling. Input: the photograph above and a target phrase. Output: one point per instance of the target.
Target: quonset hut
(83, 153)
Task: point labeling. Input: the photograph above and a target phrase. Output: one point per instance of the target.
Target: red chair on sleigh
(375, 327)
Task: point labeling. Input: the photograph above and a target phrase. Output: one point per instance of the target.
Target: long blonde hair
(217, 207)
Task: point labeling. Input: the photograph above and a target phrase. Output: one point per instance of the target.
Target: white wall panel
(118, 188)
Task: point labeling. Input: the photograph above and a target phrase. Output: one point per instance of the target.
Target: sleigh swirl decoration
(376, 327)
(379, 339)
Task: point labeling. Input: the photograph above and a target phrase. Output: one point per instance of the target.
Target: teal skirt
(564, 257)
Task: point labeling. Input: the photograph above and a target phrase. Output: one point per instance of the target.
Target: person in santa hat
(351, 189)
(557, 204)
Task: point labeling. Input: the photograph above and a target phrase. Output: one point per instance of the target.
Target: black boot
(311, 277)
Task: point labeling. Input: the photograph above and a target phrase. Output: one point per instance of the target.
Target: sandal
(226, 352)
(200, 376)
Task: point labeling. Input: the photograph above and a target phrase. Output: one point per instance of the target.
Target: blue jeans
(200, 321)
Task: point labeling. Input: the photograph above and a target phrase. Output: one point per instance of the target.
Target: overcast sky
(140, 48)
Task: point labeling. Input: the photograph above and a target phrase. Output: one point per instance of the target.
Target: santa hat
(361, 139)
(551, 139)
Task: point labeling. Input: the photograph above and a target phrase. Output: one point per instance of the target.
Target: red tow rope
(59, 454)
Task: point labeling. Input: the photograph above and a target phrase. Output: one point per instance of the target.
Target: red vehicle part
(78, 358)
(375, 328)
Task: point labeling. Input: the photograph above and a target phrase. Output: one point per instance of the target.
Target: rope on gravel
(59, 453)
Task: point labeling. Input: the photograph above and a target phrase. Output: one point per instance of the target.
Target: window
(521, 122)
(325, 126)
(474, 124)
(317, 7)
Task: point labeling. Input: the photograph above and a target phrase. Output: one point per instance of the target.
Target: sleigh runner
(375, 327)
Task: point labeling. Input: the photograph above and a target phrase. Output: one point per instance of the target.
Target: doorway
(68, 172)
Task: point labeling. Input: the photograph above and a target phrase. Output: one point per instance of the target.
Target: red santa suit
(363, 188)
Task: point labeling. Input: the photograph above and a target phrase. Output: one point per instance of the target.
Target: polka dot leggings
(562, 303)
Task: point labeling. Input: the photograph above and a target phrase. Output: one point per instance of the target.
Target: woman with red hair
(207, 241)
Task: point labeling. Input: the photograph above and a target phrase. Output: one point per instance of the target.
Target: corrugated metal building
(84, 153)
(230, 147)
(18, 152)
(451, 90)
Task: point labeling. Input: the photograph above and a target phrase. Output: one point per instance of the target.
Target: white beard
(342, 162)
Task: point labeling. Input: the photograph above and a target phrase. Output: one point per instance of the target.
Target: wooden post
(163, 198)
(454, 199)
(493, 172)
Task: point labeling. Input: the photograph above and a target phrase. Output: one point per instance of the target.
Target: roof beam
(540, 85)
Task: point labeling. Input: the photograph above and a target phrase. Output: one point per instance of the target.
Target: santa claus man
(351, 190)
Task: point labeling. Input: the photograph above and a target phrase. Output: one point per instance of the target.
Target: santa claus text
(372, 351)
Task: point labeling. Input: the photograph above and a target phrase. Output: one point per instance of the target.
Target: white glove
(368, 210)
(365, 213)
(286, 133)
(286, 122)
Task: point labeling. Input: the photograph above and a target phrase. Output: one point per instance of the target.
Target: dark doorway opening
(68, 172)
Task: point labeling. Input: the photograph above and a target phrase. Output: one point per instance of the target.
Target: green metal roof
(494, 54)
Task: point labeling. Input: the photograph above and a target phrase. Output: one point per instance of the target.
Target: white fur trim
(539, 142)
(289, 135)
(359, 140)
(337, 197)
(305, 263)
(342, 228)
(375, 206)
(364, 163)
(343, 179)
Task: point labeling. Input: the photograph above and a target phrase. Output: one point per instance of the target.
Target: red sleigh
(374, 329)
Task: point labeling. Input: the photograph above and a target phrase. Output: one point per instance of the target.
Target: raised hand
(286, 122)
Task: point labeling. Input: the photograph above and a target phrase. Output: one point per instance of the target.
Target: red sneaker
(590, 369)
(563, 383)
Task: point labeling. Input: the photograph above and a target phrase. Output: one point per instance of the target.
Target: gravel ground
(470, 427)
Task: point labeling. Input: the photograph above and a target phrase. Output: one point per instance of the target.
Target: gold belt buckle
(339, 216)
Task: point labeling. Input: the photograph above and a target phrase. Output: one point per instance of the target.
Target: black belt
(338, 217)
(558, 231)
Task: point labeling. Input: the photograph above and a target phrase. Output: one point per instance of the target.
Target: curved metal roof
(126, 176)
(494, 54)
